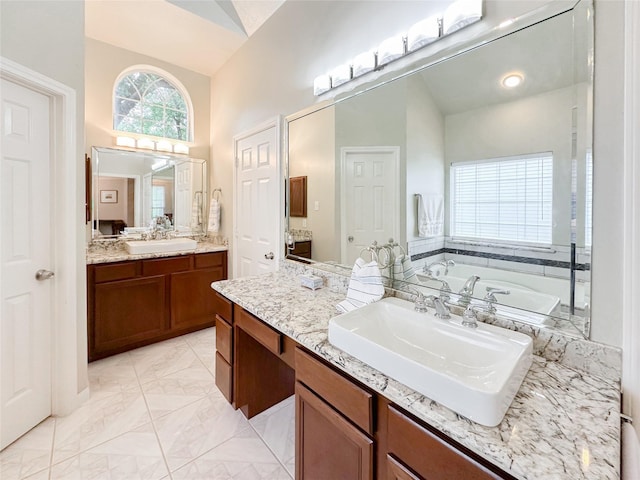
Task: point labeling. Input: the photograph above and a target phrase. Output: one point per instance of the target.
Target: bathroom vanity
(135, 300)
(354, 422)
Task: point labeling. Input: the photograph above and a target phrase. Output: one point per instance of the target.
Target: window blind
(506, 199)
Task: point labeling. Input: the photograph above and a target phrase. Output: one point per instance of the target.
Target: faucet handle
(493, 291)
(469, 317)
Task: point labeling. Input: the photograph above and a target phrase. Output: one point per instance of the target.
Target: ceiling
(199, 35)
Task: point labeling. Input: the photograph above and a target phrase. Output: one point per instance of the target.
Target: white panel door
(257, 203)
(183, 200)
(25, 240)
(370, 198)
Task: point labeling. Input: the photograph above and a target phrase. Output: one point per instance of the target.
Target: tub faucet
(491, 299)
(466, 292)
(445, 289)
(427, 269)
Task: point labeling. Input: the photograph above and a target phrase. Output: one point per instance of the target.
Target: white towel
(430, 215)
(214, 216)
(365, 286)
(403, 269)
(196, 211)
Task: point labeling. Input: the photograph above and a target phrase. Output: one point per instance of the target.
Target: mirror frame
(94, 172)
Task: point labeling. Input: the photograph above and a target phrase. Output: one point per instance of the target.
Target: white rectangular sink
(161, 246)
(475, 372)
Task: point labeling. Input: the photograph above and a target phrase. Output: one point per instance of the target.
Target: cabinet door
(193, 301)
(126, 313)
(397, 471)
(327, 445)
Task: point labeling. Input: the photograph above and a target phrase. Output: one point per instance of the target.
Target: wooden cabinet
(415, 448)
(334, 420)
(301, 249)
(224, 346)
(328, 445)
(135, 303)
(343, 429)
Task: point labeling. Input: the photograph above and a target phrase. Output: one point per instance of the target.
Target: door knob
(269, 256)
(43, 274)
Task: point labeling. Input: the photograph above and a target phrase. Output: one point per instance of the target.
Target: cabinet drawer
(224, 339)
(429, 455)
(164, 266)
(224, 308)
(264, 334)
(352, 401)
(116, 271)
(224, 377)
(206, 260)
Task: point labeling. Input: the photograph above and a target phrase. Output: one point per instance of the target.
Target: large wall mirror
(132, 189)
(468, 176)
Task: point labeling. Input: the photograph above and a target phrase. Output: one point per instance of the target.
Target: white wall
(48, 37)
(313, 156)
(540, 123)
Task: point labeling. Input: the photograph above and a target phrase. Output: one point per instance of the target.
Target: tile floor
(155, 413)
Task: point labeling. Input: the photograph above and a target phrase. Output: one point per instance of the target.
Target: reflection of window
(507, 199)
(157, 201)
(150, 104)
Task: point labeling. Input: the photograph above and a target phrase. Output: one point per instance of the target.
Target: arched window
(151, 102)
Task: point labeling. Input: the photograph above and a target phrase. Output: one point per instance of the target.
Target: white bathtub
(530, 294)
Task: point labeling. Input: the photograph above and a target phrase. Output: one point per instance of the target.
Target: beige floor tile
(30, 454)
(243, 457)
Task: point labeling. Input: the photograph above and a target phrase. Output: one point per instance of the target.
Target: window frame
(174, 82)
(454, 232)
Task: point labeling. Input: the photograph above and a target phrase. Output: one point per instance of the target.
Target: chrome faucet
(466, 292)
(427, 269)
(491, 299)
(441, 307)
(445, 289)
(420, 302)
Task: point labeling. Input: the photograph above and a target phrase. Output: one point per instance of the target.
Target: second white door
(257, 202)
(370, 198)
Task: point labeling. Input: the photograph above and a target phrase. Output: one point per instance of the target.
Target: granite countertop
(562, 424)
(116, 252)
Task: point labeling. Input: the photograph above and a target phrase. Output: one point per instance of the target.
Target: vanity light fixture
(181, 148)
(423, 33)
(512, 80)
(340, 75)
(458, 15)
(123, 141)
(164, 146)
(363, 63)
(321, 84)
(150, 144)
(390, 49)
(146, 143)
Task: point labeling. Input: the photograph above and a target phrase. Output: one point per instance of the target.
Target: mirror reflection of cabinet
(298, 196)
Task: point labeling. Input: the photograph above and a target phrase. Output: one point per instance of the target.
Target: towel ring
(219, 192)
(372, 252)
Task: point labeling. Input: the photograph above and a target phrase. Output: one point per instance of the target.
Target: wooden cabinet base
(135, 303)
(327, 445)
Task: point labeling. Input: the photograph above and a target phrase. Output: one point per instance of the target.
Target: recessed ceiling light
(512, 80)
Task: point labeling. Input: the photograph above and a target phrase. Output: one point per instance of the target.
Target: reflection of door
(370, 198)
(147, 198)
(25, 328)
(182, 217)
(257, 213)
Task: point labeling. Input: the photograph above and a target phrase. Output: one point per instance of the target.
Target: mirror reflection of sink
(475, 372)
(161, 246)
